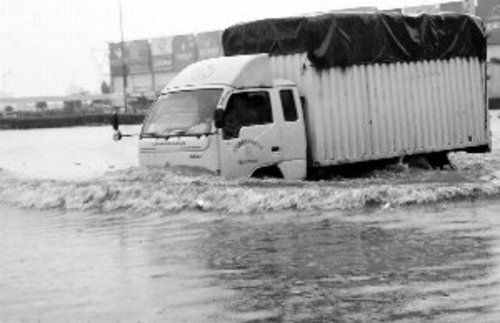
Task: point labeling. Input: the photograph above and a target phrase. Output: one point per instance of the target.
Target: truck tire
(268, 172)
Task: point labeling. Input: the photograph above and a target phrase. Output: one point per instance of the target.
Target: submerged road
(437, 263)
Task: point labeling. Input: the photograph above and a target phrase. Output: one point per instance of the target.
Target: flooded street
(249, 162)
(438, 263)
(89, 237)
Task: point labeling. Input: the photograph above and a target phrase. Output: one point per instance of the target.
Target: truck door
(250, 137)
(292, 130)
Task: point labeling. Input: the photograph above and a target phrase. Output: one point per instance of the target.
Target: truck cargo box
(376, 111)
(377, 85)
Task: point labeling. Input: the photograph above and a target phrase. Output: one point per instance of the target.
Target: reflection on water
(357, 268)
(438, 263)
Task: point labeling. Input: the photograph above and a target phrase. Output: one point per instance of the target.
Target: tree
(105, 88)
(9, 109)
(41, 106)
(71, 107)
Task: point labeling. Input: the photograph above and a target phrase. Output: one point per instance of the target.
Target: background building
(489, 11)
(149, 64)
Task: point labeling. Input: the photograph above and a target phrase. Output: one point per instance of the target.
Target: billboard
(489, 11)
(209, 44)
(116, 59)
(417, 10)
(162, 54)
(357, 9)
(185, 51)
(454, 6)
(397, 11)
(138, 57)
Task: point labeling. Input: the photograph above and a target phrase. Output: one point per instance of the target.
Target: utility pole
(124, 64)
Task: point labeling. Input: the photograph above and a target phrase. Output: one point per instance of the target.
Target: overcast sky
(47, 45)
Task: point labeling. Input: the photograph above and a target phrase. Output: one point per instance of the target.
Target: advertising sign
(209, 44)
(396, 11)
(115, 59)
(489, 11)
(417, 10)
(185, 51)
(139, 57)
(454, 6)
(358, 9)
(162, 54)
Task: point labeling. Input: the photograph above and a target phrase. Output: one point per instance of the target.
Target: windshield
(185, 112)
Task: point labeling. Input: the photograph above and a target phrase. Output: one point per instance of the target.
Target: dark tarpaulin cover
(343, 39)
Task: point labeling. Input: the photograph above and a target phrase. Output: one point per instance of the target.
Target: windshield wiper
(152, 135)
(175, 132)
(183, 134)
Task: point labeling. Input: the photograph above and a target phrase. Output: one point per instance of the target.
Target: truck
(295, 95)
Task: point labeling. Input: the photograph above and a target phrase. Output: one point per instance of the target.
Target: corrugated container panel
(326, 125)
(393, 112)
(407, 103)
(415, 87)
(441, 102)
(445, 104)
(474, 70)
(423, 107)
(395, 76)
(343, 116)
(475, 129)
(463, 101)
(405, 113)
(486, 125)
(385, 110)
(361, 117)
(371, 106)
(464, 78)
(481, 114)
(454, 119)
(435, 109)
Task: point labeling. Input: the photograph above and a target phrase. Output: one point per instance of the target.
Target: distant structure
(152, 63)
(451, 7)
(417, 10)
(489, 11)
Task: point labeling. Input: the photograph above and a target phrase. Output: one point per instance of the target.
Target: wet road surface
(436, 263)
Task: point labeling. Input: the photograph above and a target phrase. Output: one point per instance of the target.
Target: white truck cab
(372, 93)
(229, 116)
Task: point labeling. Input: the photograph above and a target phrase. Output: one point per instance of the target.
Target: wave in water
(158, 190)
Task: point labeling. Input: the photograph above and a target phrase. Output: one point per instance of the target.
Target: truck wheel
(428, 161)
(418, 161)
(268, 172)
(439, 160)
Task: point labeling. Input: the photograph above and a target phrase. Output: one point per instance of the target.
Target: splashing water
(161, 190)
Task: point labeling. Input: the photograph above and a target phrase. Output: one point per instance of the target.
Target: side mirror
(219, 118)
(115, 122)
(117, 135)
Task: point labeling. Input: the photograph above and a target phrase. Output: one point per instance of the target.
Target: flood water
(86, 236)
(437, 263)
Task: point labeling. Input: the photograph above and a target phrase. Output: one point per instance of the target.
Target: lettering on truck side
(170, 143)
(245, 142)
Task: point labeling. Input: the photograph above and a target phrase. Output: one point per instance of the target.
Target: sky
(48, 46)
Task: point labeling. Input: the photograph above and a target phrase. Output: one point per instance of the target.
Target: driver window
(246, 109)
